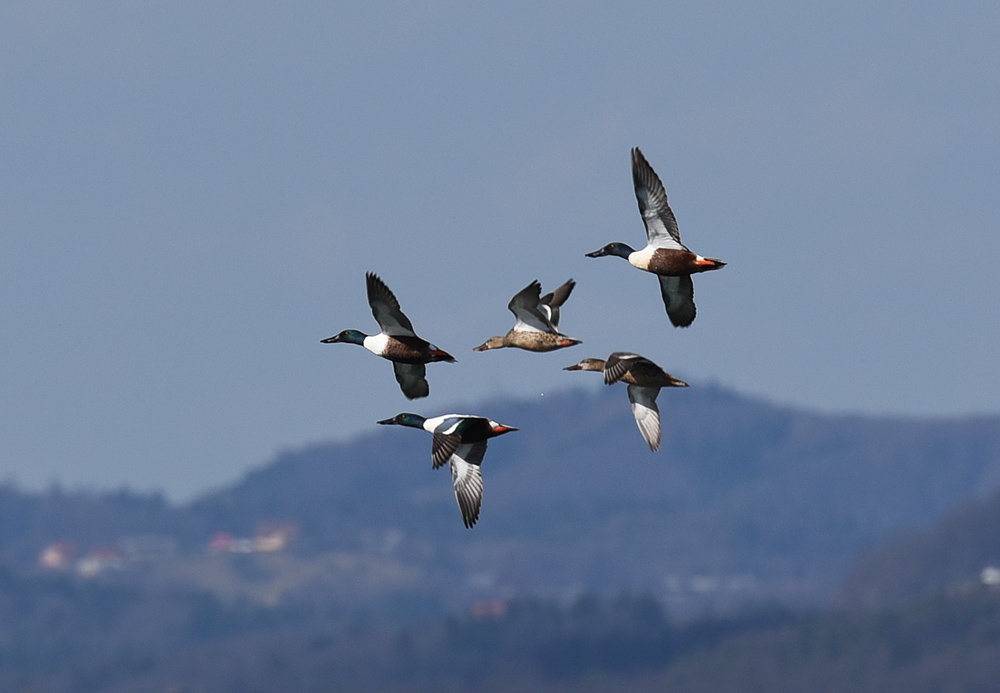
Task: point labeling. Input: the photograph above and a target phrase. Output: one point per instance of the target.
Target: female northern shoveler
(644, 380)
(396, 342)
(460, 440)
(664, 254)
(537, 320)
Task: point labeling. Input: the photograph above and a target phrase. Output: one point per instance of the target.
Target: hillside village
(64, 555)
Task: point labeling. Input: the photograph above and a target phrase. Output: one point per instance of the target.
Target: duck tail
(441, 355)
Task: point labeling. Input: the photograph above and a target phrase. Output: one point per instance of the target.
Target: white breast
(376, 343)
(641, 258)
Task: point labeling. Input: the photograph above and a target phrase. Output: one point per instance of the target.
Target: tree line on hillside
(63, 635)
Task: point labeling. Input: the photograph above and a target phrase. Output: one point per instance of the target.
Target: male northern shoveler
(664, 254)
(460, 440)
(537, 320)
(397, 341)
(644, 380)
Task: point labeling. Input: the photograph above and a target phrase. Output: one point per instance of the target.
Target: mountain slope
(744, 500)
(951, 554)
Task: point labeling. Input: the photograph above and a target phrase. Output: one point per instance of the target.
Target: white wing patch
(525, 307)
(447, 423)
(646, 413)
(467, 479)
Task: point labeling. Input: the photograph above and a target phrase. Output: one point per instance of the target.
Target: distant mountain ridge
(745, 500)
(768, 500)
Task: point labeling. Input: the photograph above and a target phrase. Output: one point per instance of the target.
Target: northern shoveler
(537, 320)
(644, 380)
(460, 440)
(396, 342)
(664, 254)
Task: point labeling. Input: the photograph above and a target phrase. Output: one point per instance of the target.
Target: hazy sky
(192, 193)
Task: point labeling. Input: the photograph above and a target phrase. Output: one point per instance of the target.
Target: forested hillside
(594, 565)
(746, 501)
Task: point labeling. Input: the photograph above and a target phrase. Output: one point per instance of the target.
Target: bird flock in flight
(460, 439)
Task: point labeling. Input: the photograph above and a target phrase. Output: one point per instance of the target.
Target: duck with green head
(397, 341)
(664, 254)
(459, 440)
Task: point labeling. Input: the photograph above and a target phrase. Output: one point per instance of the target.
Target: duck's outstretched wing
(442, 448)
(412, 379)
(525, 308)
(646, 413)
(386, 309)
(661, 226)
(678, 299)
(618, 364)
(467, 479)
(549, 303)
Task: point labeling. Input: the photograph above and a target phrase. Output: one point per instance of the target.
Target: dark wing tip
(643, 175)
(678, 299)
(377, 289)
(417, 390)
(372, 279)
(529, 294)
(558, 297)
(682, 314)
(412, 379)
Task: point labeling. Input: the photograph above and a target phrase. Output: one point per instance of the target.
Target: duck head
(349, 336)
(619, 249)
(411, 420)
(587, 365)
(491, 343)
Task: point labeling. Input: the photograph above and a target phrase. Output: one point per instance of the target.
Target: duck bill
(503, 429)
(330, 340)
(598, 253)
(387, 421)
(482, 347)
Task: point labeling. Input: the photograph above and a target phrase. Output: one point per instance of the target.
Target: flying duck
(460, 440)
(644, 380)
(664, 254)
(397, 341)
(537, 320)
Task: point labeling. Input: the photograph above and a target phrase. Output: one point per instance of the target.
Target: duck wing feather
(646, 413)
(678, 299)
(467, 478)
(618, 365)
(386, 308)
(661, 226)
(525, 308)
(412, 379)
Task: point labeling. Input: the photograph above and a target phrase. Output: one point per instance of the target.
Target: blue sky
(192, 193)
